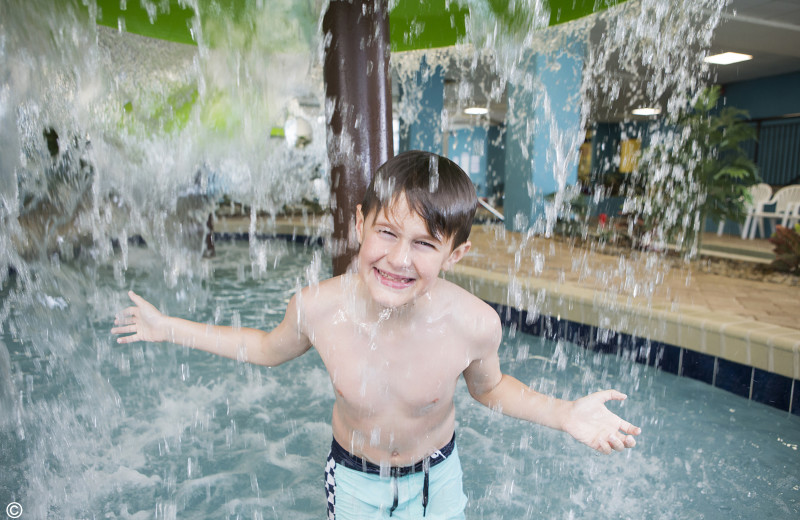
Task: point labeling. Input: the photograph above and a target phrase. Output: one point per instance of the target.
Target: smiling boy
(395, 338)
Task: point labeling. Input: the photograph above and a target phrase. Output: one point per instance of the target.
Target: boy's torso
(394, 378)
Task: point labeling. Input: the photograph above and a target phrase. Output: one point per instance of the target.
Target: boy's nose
(399, 255)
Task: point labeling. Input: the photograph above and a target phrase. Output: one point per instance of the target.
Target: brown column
(358, 96)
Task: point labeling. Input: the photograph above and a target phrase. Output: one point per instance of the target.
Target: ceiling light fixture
(726, 58)
(646, 111)
(476, 111)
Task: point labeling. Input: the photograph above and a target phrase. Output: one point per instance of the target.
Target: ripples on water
(91, 429)
(160, 431)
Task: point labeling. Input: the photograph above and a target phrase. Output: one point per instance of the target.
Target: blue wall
(777, 149)
(766, 97)
(533, 169)
(466, 147)
(425, 132)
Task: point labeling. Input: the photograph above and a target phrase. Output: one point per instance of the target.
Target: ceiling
(769, 30)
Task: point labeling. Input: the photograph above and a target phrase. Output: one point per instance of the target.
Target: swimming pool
(91, 429)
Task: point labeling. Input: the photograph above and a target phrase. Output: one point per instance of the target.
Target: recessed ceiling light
(646, 111)
(726, 58)
(476, 111)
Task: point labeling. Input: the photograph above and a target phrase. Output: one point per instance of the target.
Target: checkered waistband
(348, 460)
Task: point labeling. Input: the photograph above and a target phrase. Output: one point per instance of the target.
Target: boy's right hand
(142, 321)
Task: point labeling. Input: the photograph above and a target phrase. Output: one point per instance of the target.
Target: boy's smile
(395, 282)
(399, 260)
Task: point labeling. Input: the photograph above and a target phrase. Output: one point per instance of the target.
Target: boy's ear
(456, 255)
(359, 223)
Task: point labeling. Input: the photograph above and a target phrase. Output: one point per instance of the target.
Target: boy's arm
(146, 323)
(586, 419)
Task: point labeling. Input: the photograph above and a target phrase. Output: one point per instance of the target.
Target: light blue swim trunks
(357, 489)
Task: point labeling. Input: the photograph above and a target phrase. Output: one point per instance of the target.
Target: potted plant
(697, 169)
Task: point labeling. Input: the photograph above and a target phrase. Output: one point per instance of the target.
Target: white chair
(787, 208)
(759, 194)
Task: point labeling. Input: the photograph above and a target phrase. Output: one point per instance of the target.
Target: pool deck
(748, 322)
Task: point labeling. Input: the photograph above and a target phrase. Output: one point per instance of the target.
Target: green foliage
(697, 170)
(787, 249)
(572, 215)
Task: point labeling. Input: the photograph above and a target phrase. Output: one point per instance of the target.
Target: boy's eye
(426, 244)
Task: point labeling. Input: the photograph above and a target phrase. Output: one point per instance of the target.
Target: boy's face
(399, 260)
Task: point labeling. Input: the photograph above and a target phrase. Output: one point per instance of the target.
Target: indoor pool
(92, 429)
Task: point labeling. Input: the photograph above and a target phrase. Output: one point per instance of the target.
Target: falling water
(87, 113)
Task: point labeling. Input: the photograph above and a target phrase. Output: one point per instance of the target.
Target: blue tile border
(772, 389)
(668, 358)
(751, 383)
(735, 377)
(697, 365)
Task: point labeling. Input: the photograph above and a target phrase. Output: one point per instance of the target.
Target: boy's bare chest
(408, 370)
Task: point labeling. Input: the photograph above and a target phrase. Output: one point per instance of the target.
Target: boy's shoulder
(470, 321)
(464, 306)
(460, 296)
(326, 292)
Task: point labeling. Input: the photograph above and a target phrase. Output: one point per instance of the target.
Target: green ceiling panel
(415, 24)
(171, 24)
(424, 24)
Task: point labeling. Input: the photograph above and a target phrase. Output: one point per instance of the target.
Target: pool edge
(762, 359)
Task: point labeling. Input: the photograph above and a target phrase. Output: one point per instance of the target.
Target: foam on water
(156, 430)
(151, 134)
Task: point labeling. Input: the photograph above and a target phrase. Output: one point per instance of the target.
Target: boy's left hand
(590, 422)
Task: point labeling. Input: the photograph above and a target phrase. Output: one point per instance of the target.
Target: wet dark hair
(435, 188)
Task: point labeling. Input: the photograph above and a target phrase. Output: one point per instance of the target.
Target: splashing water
(89, 115)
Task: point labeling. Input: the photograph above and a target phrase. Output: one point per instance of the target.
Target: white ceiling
(769, 30)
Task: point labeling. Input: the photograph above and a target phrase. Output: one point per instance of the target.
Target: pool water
(92, 429)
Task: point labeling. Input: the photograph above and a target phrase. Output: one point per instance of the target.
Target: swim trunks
(360, 490)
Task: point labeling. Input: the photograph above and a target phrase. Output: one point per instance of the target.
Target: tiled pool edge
(755, 360)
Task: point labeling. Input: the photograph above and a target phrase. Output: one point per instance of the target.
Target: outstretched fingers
(126, 321)
(628, 428)
(138, 300)
(124, 329)
(624, 426)
(615, 443)
(125, 325)
(128, 339)
(611, 433)
(611, 395)
(142, 321)
(126, 316)
(624, 436)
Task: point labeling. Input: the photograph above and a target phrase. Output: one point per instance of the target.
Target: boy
(395, 338)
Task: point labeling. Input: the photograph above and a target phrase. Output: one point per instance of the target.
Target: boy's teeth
(393, 277)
